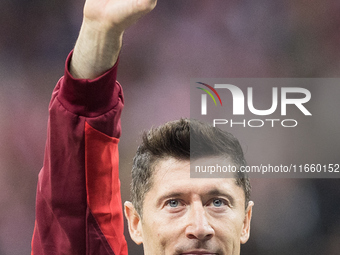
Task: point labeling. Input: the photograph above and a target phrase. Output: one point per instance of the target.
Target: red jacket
(78, 204)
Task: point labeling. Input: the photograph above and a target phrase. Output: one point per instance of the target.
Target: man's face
(182, 215)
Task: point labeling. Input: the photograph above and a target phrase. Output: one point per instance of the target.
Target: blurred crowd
(179, 40)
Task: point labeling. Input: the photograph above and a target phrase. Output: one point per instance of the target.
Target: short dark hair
(183, 139)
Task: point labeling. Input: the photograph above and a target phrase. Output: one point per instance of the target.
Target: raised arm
(78, 202)
(100, 37)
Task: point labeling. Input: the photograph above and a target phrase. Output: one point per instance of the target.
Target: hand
(101, 34)
(116, 14)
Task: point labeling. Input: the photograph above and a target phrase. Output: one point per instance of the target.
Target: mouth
(198, 252)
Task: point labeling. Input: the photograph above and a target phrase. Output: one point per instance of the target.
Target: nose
(198, 226)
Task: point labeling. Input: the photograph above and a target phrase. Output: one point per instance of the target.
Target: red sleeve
(78, 204)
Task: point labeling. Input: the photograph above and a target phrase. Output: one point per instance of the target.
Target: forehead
(173, 176)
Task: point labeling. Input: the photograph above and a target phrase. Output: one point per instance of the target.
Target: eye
(174, 206)
(173, 203)
(217, 202)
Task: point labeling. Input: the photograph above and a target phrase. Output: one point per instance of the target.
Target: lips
(198, 252)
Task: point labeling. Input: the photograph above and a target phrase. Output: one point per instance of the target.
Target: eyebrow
(217, 192)
(168, 196)
(173, 194)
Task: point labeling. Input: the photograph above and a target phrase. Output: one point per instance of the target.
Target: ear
(246, 223)
(134, 222)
